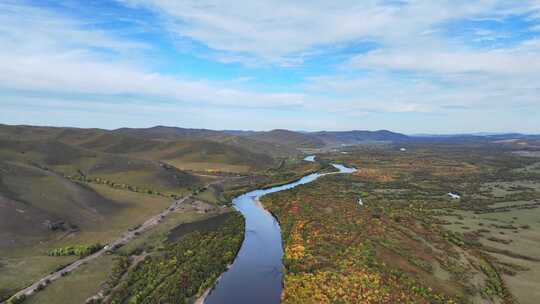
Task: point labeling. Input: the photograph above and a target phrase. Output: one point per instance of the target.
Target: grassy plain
(409, 241)
(95, 276)
(78, 285)
(512, 238)
(208, 166)
(21, 265)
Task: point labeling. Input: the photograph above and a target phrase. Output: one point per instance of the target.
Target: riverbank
(328, 253)
(256, 274)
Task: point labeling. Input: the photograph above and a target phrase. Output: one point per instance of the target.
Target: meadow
(388, 233)
(409, 241)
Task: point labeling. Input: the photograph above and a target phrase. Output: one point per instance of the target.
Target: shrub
(79, 250)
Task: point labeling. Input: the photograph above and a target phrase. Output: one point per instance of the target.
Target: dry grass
(23, 265)
(208, 166)
(77, 286)
(514, 244)
(375, 174)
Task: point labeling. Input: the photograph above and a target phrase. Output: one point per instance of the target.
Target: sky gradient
(407, 66)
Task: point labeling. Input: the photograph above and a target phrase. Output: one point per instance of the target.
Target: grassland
(23, 264)
(77, 286)
(63, 187)
(210, 167)
(511, 237)
(96, 277)
(409, 241)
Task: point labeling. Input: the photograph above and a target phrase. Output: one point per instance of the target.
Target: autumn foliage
(329, 254)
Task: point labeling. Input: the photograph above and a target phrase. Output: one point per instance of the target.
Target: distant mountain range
(277, 142)
(482, 136)
(280, 137)
(357, 136)
(302, 139)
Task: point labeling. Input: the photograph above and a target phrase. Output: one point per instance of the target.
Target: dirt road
(126, 237)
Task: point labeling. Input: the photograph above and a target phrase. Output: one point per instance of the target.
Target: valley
(269, 152)
(167, 205)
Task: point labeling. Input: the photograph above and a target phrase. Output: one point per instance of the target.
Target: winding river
(256, 274)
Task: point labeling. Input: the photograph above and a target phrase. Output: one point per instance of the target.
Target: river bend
(256, 273)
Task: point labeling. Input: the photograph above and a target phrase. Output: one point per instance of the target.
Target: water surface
(255, 275)
(310, 158)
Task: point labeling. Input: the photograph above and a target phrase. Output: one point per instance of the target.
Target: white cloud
(28, 29)
(82, 74)
(514, 61)
(44, 61)
(55, 55)
(275, 31)
(45, 52)
(536, 28)
(271, 29)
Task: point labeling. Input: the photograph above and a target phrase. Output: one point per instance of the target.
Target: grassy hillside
(355, 137)
(67, 186)
(32, 197)
(70, 160)
(223, 137)
(169, 133)
(50, 213)
(65, 146)
(182, 151)
(288, 138)
(178, 153)
(48, 175)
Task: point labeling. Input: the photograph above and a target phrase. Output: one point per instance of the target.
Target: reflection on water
(256, 274)
(310, 158)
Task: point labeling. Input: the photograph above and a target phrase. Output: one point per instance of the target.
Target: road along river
(256, 274)
(124, 239)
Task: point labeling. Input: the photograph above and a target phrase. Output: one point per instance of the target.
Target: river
(256, 273)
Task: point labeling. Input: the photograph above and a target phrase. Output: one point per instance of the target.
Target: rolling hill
(241, 140)
(287, 138)
(355, 137)
(278, 142)
(40, 170)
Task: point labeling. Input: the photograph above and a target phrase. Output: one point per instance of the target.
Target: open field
(78, 285)
(62, 187)
(511, 236)
(208, 166)
(409, 240)
(94, 276)
(189, 213)
(23, 264)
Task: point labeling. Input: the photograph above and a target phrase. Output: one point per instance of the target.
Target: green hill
(288, 138)
(242, 140)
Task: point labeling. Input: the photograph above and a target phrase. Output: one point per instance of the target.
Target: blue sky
(408, 66)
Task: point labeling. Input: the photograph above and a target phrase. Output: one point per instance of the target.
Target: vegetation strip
(151, 222)
(183, 269)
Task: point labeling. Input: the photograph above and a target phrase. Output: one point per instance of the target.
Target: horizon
(292, 130)
(413, 67)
